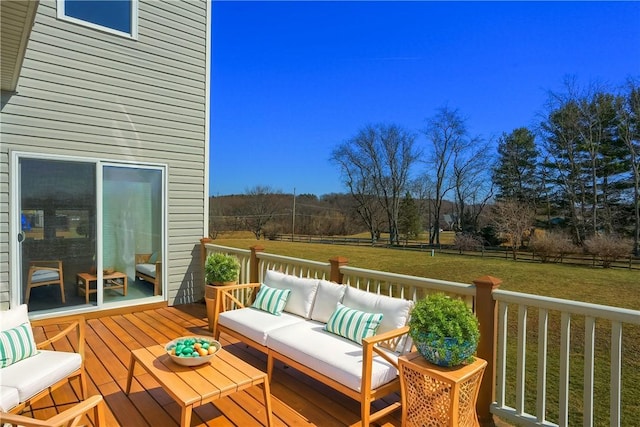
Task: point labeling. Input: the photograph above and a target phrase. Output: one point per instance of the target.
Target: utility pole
(293, 216)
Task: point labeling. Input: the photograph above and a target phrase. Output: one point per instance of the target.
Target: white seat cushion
(8, 398)
(148, 269)
(335, 357)
(256, 324)
(36, 373)
(303, 291)
(44, 276)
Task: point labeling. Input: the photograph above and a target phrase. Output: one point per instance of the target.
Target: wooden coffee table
(194, 386)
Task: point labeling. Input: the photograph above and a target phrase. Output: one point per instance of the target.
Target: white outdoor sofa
(365, 370)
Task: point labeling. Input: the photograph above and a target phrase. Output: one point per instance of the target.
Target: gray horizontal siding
(149, 58)
(101, 146)
(95, 100)
(64, 121)
(76, 106)
(96, 95)
(171, 81)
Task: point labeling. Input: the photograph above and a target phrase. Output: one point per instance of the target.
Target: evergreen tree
(515, 174)
(409, 218)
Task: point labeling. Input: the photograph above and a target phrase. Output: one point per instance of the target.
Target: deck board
(297, 400)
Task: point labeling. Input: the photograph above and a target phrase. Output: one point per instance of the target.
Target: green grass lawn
(613, 287)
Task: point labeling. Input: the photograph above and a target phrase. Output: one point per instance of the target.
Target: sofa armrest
(71, 416)
(142, 258)
(74, 325)
(227, 297)
(371, 345)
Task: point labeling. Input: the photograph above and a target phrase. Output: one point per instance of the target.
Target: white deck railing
(563, 311)
(294, 266)
(404, 286)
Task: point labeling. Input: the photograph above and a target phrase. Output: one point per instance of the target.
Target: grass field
(588, 284)
(613, 287)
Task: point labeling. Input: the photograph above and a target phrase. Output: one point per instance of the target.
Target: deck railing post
(254, 273)
(336, 263)
(203, 252)
(487, 313)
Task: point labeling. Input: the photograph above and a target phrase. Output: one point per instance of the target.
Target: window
(118, 17)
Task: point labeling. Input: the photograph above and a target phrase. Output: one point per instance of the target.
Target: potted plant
(444, 330)
(221, 268)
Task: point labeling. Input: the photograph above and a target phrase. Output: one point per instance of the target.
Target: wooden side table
(115, 280)
(436, 395)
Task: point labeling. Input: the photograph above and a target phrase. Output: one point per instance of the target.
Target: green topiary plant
(220, 267)
(444, 330)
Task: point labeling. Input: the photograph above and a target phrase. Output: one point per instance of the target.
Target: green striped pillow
(353, 324)
(16, 344)
(271, 299)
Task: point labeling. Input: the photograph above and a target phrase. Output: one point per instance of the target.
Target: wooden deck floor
(297, 399)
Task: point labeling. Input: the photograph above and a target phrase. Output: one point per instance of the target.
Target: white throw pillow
(303, 291)
(395, 310)
(329, 295)
(14, 317)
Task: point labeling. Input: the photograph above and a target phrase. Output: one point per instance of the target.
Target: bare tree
(447, 133)
(473, 187)
(263, 205)
(354, 165)
(422, 189)
(375, 165)
(513, 219)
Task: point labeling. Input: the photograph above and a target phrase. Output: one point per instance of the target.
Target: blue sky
(291, 80)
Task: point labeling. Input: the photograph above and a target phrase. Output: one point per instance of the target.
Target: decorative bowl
(200, 346)
(108, 270)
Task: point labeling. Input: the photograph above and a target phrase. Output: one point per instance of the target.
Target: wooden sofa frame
(68, 418)
(156, 281)
(225, 298)
(75, 325)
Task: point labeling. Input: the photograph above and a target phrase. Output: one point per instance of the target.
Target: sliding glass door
(57, 230)
(90, 232)
(132, 224)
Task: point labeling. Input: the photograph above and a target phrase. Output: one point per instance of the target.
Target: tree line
(577, 172)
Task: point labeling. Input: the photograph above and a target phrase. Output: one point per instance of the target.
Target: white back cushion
(13, 317)
(303, 291)
(395, 311)
(329, 295)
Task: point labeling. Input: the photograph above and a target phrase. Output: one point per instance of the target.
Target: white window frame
(134, 21)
